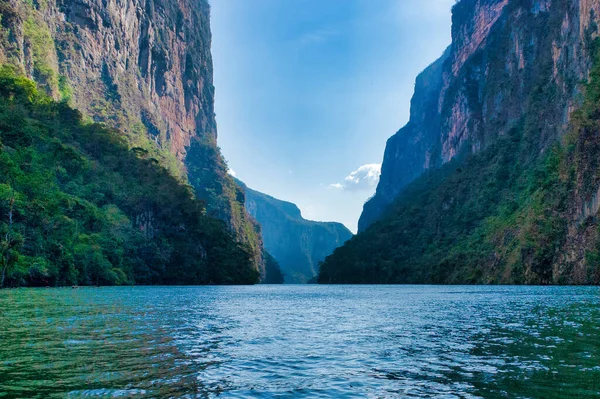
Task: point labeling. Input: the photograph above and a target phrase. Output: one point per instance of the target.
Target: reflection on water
(301, 341)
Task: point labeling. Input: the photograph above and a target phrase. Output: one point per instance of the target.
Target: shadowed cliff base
(142, 67)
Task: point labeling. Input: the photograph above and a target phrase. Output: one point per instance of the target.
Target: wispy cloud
(364, 178)
(317, 36)
(232, 172)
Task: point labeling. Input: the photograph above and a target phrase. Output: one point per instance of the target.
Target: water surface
(300, 342)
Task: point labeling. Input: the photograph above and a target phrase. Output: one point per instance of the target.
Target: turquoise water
(300, 342)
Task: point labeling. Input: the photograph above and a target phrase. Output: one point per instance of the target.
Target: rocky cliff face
(412, 150)
(482, 86)
(297, 244)
(495, 178)
(142, 66)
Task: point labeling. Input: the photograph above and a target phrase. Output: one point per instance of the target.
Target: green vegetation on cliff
(208, 175)
(273, 273)
(147, 73)
(511, 213)
(79, 206)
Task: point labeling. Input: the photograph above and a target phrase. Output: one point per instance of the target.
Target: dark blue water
(301, 342)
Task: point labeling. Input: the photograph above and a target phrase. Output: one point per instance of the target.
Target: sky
(309, 91)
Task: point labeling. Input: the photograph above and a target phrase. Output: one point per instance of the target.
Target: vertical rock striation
(414, 148)
(495, 177)
(482, 86)
(143, 65)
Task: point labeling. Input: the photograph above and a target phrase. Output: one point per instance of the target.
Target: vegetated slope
(523, 208)
(297, 244)
(143, 67)
(77, 206)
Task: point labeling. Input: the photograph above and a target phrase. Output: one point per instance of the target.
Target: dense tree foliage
(78, 206)
(521, 211)
(42, 40)
(208, 174)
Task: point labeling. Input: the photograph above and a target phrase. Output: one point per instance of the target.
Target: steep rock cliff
(501, 50)
(509, 190)
(410, 151)
(142, 66)
(297, 244)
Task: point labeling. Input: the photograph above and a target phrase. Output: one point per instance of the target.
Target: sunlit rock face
(150, 59)
(297, 244)
(413, 149)
(500, 53)
(142, 66)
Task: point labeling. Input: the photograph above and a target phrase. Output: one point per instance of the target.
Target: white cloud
(364, 178)
(232, 172)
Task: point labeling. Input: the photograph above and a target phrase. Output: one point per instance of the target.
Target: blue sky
(308, 92)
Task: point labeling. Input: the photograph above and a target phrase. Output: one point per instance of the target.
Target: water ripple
(300, 342)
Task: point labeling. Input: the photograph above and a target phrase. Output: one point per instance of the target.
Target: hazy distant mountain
(297, 244)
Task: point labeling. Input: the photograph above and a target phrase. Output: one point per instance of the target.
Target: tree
(10, 240)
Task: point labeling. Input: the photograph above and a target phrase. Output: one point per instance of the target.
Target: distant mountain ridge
(296, 243)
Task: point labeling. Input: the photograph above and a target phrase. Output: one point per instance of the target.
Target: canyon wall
(480, 88)
(495, 177)
(143, 67)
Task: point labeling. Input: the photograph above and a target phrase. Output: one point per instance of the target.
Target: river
(301, 342)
